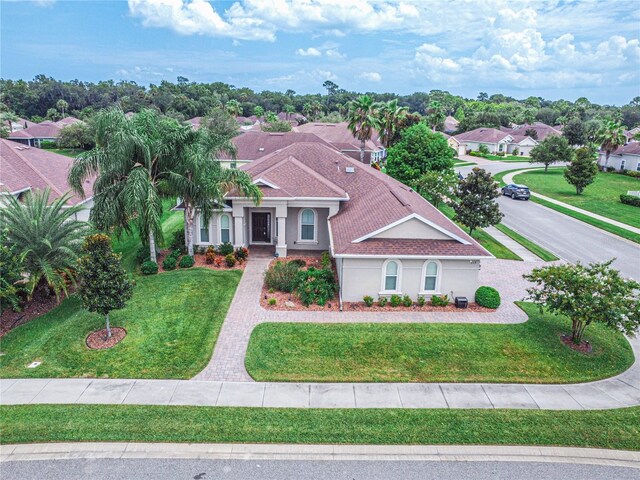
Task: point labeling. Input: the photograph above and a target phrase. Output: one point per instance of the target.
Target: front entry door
(261, 227)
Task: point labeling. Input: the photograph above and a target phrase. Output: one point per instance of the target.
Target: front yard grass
(534, 248)
(172, 324)
(530, 352)
(506, 158)
(619, 429)
(602, 197)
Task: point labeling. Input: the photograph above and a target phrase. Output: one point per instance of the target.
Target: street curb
(222, 451)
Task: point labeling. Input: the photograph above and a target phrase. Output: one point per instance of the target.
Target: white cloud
(371, 76)
(309, 52)
(322, 75)
(334, 53)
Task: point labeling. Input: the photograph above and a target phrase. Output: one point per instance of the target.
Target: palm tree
(289, 109)
(390, 114)
(610, 137)
(318, 108)
(132, 157)
(435, 114)
(307, 110)
(271, 117)
(258, 111)
(363, 119)
(46, 236)
(62, 105)
(234, 108)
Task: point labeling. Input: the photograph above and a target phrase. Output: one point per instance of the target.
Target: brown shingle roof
(24, 167)
(375, 202)
(67, 121)
(40, 130)
(631, 148)
(252, 145)
(543, 130)
(482, 134)
(339, 133)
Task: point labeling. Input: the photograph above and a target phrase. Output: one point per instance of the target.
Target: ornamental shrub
(298, 262)
(149, 268)
(382, 301)
(630, 200)
(218, 261)
(395, 300)
(368, 300)
(272, 301)
(177, 242)
(483, 149)
(326, 260)
(142, 255)
(187, 261)
(241, 253)
(421, 301)
(210, 257)
(440, 301)
(487, 297)
(281, 276)
(225, 249)
(169, 263)
(315, 286)
(632, 173)
(406, 301)
(230, 260)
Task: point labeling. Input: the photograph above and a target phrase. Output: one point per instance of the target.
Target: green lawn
(463, 164)
(601, 197)
(507, 158)
(494, 247)
(534, 248)
(67, 152)
(529, 352)
(172, 324)
(618, 429)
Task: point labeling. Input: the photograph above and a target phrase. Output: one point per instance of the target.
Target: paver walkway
(620, 391)
(508, 178)
(245, 312)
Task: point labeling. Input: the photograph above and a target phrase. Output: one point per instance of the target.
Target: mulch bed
(583, 347)
(361, 307)
(40, 303)
(200, 261)
(98, 340)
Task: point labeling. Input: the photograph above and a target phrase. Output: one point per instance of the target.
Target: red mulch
(40, 303)
(583, 347)
(200, 261)
(98, 340)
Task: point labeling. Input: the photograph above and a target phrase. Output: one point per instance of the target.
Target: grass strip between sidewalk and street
(534, 248)
(615, 429)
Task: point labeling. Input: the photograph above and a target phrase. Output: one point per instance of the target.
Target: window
(392, 270)
(623, 163)
(225, 231)
(204, 231)
(430, 277)
(308, 225)
(500, 146)
(233, 164)
(638, 167)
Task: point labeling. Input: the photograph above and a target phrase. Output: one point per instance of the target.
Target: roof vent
(261, 149)
(350, 169)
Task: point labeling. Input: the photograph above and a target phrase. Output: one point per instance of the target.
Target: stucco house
(25, 168)
(496, 140)
(34, 136)
(386, 239)
(454, 143)
(626, 157)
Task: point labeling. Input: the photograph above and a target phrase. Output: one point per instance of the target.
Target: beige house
(626, 157)
(385, 238)
(498, 141)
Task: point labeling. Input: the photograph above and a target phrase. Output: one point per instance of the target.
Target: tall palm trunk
(362, 150)
(189, 216)
(606, 159)
(152, 247)
(108, 326)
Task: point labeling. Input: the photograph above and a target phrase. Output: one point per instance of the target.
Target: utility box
(461, 302)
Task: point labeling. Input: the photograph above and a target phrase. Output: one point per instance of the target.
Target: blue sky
(550, 48)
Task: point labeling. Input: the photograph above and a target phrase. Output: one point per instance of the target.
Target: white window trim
(315, 227)
(199, 226)
(422, 291)
(220, 228)
(398, 290)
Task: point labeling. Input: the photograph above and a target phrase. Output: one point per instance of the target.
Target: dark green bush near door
(488, 297)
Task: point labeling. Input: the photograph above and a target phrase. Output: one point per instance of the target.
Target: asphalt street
(122, 469)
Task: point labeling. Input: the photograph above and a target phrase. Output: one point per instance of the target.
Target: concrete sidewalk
(228, 451)
(512, 245)
(508, 178)
(620, 391)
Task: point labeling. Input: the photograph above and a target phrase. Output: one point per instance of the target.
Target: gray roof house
(626, 157)
(386, 238)
(496, 140)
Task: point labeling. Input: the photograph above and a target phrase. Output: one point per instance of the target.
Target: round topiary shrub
(186, 262)
(488, 297)
(169, 263)
(149, 268)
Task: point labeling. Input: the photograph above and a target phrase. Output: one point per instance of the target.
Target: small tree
(104, 284)
(575, 132)
(476, 205)
(483, 149)
(551, 150)
(586, 294)
(437, 187)
(583, 169)
(11, 268)
(77, 135)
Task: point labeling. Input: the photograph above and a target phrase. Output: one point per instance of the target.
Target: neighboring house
(339, 135)
(450, 124)
(386, 238)
(254, 144)
(626, 157)
(630, 134)
(542, 130)
(454, 143)
(36, 134)
(24, 168)
(496, 140)
(19, 124)
(67, 121)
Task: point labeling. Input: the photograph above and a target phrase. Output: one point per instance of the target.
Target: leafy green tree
(46, 238)
(476, 206)
(583, 169)
(234, 108)
(77, 135)
(435, 115)
(104, 285)
(391, 114)
(419, 150)
(483, 97)
(132, 158)
(587, 294)
(575, 132)
(11, 268)
(610, 137)
(552, 149)
(258, 111)
(437, 186)
(363, 120)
